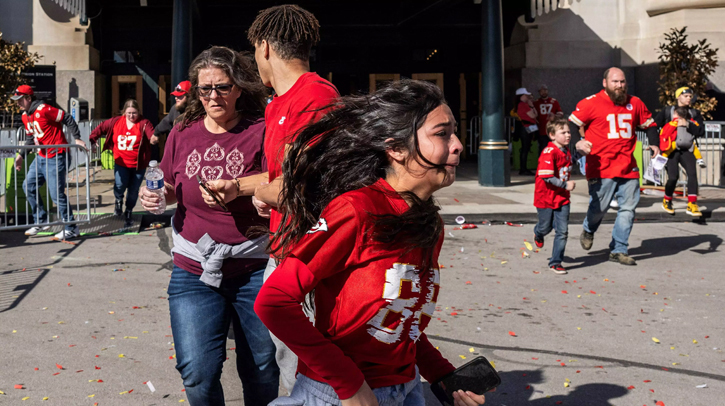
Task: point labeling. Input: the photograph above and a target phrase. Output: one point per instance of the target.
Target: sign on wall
(42, 79)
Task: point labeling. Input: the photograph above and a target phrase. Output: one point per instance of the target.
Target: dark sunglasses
(221, 90)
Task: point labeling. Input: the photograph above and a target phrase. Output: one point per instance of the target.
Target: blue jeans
(601, 193)
(558, 219)
(308, 392)
(127, 178)
(200, 317)
(52, 171)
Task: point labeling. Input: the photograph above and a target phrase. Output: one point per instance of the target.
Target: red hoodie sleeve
(148, 129)
(431, 364)
(323, 252)
(104, 129)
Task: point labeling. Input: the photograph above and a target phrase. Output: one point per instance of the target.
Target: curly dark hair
(347, 150)
(289, 29)
(241, 70)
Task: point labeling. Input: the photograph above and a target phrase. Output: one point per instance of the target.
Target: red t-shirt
(286, 115)
(522, 109)
(46, 126)
(545, 107)
(610, 128)
(234, 154)
(126, 143)
(372, 302)
(553, 162)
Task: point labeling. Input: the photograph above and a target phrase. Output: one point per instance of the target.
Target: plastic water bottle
(155, 184)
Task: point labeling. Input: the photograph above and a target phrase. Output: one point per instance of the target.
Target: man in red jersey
(282, 37)
(44, 126)
(547, 107)
(610, 118)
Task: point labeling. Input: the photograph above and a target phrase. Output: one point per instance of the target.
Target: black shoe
(128, 218)
(118, 209)
(539, 241)
(623, 259)
(586, 240)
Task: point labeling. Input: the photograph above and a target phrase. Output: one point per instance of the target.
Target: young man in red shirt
(551, 196)
(283, 37)
(44, 126)
(610, 118)
(547, 107)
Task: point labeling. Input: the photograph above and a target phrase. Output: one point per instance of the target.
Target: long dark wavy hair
(241, 70)
(347, 150)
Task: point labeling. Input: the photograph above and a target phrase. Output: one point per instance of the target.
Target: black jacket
(167, 123)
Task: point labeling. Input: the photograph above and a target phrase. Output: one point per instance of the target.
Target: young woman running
(360, 228)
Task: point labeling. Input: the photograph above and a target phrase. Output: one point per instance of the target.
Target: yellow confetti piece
(181, 400)
(528, 246)
(503, 262)
(471, 349)
(672, 348)
(25, 398)
(2, 393)
(123, 393)
(45, 398)
(606, 280)
(113, 338)
(578, 328)
(566, 384)
(437, 348)
(694, 341)
(121, 356)
(675, 363)
(543, 301)
(144, 332)
(129, 337)
(61, 322)
(55, 337)
(662, 310)
(493, 364)
(462, 356)
(567, 379)
(707, 294)
(91, 396)
(45, 308)
(578, 295)
(15, 331)
(655, 340)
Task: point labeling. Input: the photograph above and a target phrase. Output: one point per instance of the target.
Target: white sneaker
(614, 204)
(67, 235)
(701, 163)
(35, 230)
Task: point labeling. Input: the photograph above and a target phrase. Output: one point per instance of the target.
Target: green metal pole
(494, 165)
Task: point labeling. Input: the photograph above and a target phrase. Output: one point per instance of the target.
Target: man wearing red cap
(167, 123)
(45, 123)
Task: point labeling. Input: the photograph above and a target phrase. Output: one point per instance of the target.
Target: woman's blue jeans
(127, 179)
(200, 317)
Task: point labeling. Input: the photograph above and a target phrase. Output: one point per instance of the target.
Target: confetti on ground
(528, 245)
(151, 386)
(19, 387)
(655, 340)
(512, 334)
(701, 386)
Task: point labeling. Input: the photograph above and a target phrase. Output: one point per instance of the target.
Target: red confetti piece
(171, 357)
(605, 310)
(80, 370)
(57, 373)
(512, 334)
(59, 366)
(19, 387)
(564, 292)
(665, 369)
(469, 283)
(592, 292)
(71, 345)
(183, 390)
(534, 358)
(35, 369)
(707, 336)
(652, 390)
(528, 387)
(514, 225)
(130, 391)
(454, 314)
(456, 200)
(599, 366)
(559, 402)
(68, 284)
(97, 367)
(97, 356)
(646, 381)
(100, 381)
(578, 371)
(630, 387)
(563, 364)
(660, 403)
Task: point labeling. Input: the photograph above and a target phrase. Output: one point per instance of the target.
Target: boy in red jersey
(551, 197)
(44, 126)
(547, 107)
(610, 118)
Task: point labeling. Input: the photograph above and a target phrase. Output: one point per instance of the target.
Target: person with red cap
(167, 123)
(44, 126)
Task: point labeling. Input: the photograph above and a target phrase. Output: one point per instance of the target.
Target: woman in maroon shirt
(360, 228)
(218, 261)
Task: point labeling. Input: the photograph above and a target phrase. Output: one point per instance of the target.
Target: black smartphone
(477, 376)
(212, 194)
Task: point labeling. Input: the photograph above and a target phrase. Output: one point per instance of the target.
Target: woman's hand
(363, 397)
(149, 200)
(468, 398)
(263, 209)
(224, 189)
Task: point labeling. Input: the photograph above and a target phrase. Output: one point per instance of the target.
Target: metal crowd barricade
(474, 132)
(16, 220)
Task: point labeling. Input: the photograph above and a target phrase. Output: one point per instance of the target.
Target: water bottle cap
(153, 164)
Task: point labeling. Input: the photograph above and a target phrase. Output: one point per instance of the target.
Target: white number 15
(621, 126)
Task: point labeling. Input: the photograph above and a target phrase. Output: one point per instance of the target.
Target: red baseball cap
(22, 90)
(182, 88)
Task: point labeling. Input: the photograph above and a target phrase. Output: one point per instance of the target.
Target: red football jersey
(126, 142)
(372, 300)
(46, 126)
(545, 107)
(286, 115)
(553, 162)
(610, 128)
